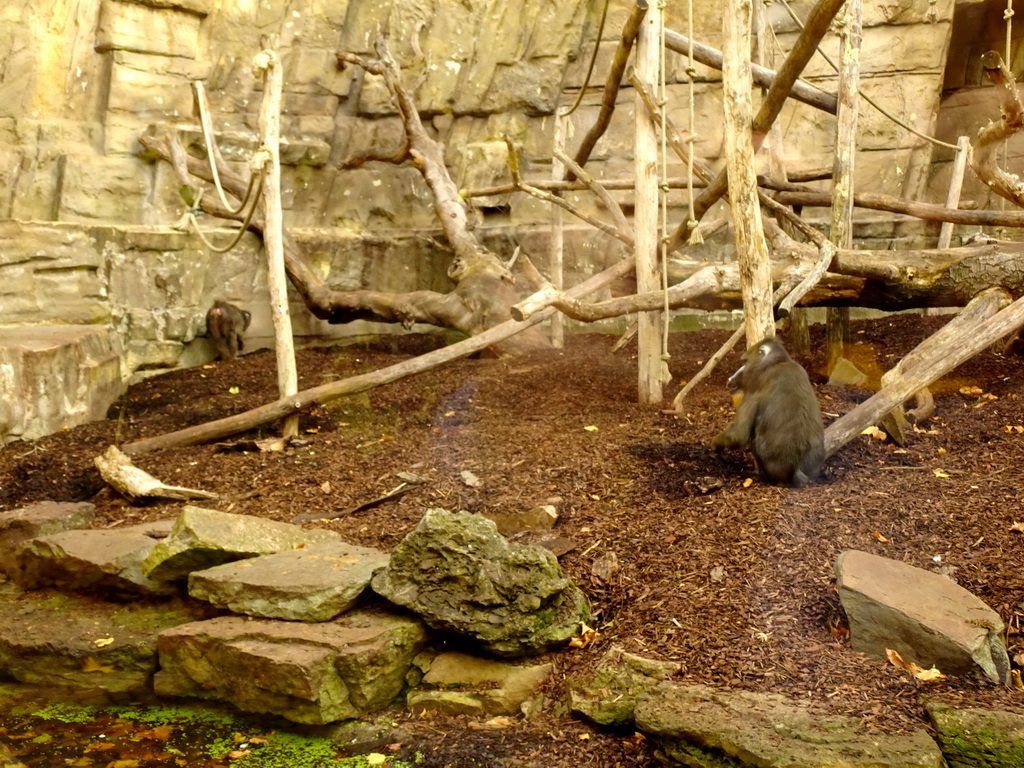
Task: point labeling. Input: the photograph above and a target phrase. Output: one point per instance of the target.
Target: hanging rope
(593, 60)
(256, 173)
(206, 123)
(692, 224)
(867, 98)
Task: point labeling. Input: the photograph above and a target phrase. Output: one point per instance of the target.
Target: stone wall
(88, 218)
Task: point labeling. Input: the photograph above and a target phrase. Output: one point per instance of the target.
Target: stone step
(56, 376)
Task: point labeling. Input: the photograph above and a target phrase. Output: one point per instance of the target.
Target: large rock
(50, 638)
(41, 519)
(314, 583)
(202, 538)
(464, 577)
(701, 727)
(925, 617)
(307, 673)
(460, 684)
(621, 679)
(85, 559)
(978, 738)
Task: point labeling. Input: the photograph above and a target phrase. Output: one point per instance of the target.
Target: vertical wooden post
(838, 319)
(557, 241)
(268, 63)
(751, 249)
(956, 184)
(645, 210)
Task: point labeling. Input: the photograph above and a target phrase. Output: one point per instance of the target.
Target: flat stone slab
(610, 695)
(315, 583)
(460, 684)
(928, 619)
(19, 525)
(699, 726)
(202, 538)
(307, 673)
(979, 738)
(52, 638)
(89, 559)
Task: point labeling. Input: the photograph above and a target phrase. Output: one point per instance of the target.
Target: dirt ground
(734, 582)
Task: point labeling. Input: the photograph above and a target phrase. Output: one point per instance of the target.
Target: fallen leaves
(874, 433)
(925, 675)
(586, 637)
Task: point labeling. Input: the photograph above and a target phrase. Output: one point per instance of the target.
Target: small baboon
(225, 323)
(777, 416)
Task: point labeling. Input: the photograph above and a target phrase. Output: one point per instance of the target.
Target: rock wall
(86, 218)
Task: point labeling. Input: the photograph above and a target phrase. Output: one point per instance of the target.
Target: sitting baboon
(777, 417)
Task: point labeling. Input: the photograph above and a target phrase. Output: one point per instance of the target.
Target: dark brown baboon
(777, 418)
(225, 323)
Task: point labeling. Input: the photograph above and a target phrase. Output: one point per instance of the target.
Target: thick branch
(814, 30)
(611, 87)
(994, 135)
(762, 76)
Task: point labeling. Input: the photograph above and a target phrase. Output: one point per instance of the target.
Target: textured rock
(460, 684)
(462, 576)
(202, 538)
(41, 519)
(314, 583)
(978, 738)
(698, 726)
(928, 619)
(307, 673)
(621, 679)
(83, 559)
(51, 638)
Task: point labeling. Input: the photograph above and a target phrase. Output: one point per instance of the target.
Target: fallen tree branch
(266, 414)
(136, 484)
(965, 339)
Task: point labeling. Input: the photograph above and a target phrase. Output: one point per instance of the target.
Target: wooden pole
(645, 210)
(557, 243)
(838, 318)
(956, 184)
(751, 249)
(268, 63)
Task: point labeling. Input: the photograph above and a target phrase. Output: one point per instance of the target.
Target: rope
(695, 238)
(258, 167)
(207, 126)
(593, 60)
(868, 99)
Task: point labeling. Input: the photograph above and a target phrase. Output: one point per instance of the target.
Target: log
(966, 336)
(762, 76)
(994, 135)
(138, 485)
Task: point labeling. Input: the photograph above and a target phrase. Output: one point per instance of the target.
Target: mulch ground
(731, 579)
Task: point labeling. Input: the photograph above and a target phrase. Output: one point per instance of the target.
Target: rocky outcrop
(699, 726)
(307, 673)
(315, 583)
(463, 577)
(202, 538)
(928, 619)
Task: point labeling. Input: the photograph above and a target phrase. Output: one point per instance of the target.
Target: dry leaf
(971, 391)
(590, 428)
(874, 433)
(1015, 680)
(880, 537)
(326, 486)
(494, 724)
(235, 754)
(103, 642)
(91, 665)
(748, 482)
(940, 473)
(1019, 527)
(586, 637)
(924, 675)
(1013, 428)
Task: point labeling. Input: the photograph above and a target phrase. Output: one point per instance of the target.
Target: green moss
(66, 713)
(172, 715)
